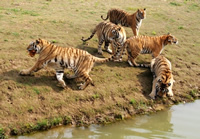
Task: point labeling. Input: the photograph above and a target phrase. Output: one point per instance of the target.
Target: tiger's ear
(113, 31)
(168, 33)
(38, 40)
(144, 9)
(159, 80)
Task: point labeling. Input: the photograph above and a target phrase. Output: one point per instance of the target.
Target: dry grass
(119, 89)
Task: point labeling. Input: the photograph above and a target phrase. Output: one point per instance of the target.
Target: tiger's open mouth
(32, 53)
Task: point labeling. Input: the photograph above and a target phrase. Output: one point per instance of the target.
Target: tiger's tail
(105, 18)
(102, 60)
(84, 40)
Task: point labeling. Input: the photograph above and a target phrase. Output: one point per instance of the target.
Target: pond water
(179, 122)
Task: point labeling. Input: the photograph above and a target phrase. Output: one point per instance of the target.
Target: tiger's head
(141, 13)
(36, 47)
(116, 32)
(170, 39)
(163, 83)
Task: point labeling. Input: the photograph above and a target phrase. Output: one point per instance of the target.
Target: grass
(180, 27)
(119, 90)
(175, 4)
(2, 133)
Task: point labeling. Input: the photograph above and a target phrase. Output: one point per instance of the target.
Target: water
(179, 122)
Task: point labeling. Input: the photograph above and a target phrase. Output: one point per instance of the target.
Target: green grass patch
(133, 101)
(2, 133)
(37, 91)
(54, 41)
(92, 12)
(131, 9)
(31, 13)
(95, 96)
(180, 27)
(160, 16)
(56, 121)
(153, 33)
(16, 34)
(42, 125)
(194, 93)
(175, 4)
(23, 12)
(119, 76)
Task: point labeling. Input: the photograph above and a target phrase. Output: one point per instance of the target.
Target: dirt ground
(32, 103)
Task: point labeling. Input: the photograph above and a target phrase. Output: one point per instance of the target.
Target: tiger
(59, 58)
(146, 45)
(118, 16)
(162, 77)
(109, 33)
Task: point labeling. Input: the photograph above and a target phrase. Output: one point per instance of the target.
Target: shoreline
(85, 119)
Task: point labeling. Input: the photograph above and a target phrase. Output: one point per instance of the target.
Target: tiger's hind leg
(59, 76)
(99, 46)
(70, 76)
(87, 80)
(106, 46)
(131, 60)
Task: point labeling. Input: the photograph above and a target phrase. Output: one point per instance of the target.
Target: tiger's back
(118, 16)
(147, 45)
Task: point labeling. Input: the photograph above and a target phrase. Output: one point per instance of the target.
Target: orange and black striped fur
(134, 20)
(163, 78)
(59, 58)
(146, 45)
(109, 33)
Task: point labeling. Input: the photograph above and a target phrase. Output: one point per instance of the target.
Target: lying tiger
(134, 20)
(146, 45)
(163, 78)
(109, 33)
(59, 58)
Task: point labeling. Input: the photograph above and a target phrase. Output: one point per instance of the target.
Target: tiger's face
(34, 47)
(142, 13)
(163, 84)
(171, 39)
(116, 32)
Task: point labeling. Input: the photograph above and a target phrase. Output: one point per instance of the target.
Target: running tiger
(163, 78)
(146, 45)
(134, 20)
(59, 58)
(109, 33)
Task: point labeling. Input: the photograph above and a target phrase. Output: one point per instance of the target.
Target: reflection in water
(181, 121)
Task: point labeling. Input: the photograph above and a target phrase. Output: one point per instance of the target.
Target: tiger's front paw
(170, 94)
(100, 52)
(109, 51)
(24, 73)
(152, 95)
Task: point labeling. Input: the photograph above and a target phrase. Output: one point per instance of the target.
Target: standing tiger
(146, 45)
(59, 58)
(163, 78)
(110, 33)
(134, 20)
